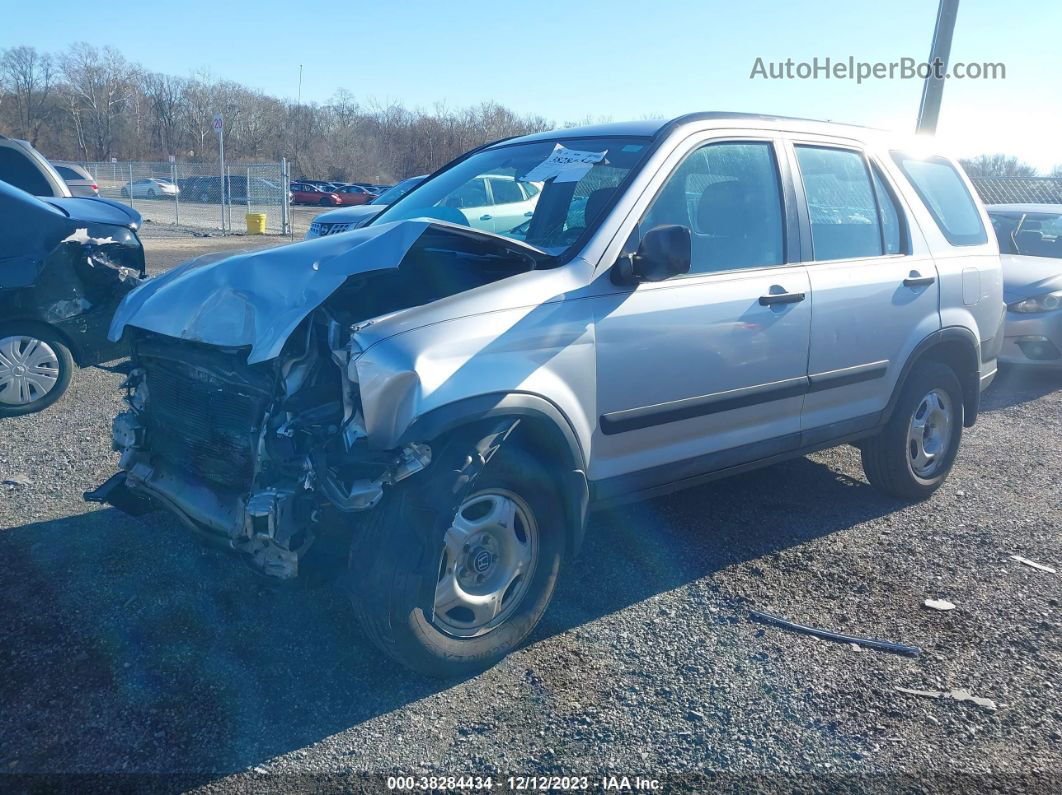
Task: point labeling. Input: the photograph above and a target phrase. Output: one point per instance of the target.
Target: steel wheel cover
(929, 433)
(488, 560)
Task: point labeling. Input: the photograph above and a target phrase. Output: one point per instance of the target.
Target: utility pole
(940, 51)
(298, 120)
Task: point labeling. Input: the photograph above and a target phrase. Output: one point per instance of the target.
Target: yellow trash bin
(256, 223)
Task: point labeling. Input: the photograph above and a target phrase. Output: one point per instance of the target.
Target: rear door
(510, 206)
(873, 298)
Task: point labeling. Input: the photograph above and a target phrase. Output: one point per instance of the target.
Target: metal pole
(176, 195)
(224, 182)
(285, 222)
(130, 184)
(933, 89)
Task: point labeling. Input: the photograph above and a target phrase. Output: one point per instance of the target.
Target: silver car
(1030, 245)
(427, 406)
(77, 178)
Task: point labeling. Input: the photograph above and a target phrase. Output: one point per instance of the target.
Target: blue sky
(618, 60)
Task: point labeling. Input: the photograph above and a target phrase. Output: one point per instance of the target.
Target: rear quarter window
(941, 189)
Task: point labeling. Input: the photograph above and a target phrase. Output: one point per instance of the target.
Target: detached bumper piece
(115, 492)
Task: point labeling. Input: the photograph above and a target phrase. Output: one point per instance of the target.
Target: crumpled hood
(1025, 277)
(258, 298)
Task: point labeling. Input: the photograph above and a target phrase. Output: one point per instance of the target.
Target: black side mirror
(665, 251)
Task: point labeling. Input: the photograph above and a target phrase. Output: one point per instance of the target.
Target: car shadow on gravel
(1016, 385)
(126, 645)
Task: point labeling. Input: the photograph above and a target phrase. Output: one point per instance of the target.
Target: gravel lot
(126, 646)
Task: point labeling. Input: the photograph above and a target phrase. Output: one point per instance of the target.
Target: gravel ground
(126, 646)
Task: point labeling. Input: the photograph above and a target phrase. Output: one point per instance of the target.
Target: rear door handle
(918, 280)
(484, 218)
(781, 298)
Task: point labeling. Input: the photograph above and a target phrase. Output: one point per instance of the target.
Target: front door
(707, 370)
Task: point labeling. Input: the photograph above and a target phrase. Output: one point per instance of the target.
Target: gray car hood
(1024, 277)
(258, 298)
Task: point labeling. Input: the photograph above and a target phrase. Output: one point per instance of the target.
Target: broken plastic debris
(957, 694)
(939, 604)
(1033, 563)
(564, 165)
(869, 643)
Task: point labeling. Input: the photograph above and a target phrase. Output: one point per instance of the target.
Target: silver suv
(429, 405)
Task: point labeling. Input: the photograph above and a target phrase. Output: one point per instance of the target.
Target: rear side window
(67, 173)
(19, 170)
(941, 188)
(841, 203)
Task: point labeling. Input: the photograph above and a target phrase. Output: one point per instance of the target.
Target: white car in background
(77, 178)
(150, 188)
(495, 202)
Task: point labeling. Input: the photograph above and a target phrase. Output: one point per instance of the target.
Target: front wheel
(915, 451)
(35, 369)
(452, 595)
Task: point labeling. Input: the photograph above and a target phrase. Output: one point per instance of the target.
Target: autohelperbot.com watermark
(851, 68)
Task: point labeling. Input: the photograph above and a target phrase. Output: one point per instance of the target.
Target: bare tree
(91, 103)
(998, 165)
(99, 87)
(29, 78)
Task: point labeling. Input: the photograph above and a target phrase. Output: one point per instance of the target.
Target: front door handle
(781, 298)
(918, 280)
(484, 218)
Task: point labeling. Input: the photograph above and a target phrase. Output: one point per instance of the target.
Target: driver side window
(727, 194)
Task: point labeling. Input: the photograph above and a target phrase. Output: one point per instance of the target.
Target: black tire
(63, 359)
(888, 460)
(152, 194)
(125, 193)
(397, 556)
(324, 203)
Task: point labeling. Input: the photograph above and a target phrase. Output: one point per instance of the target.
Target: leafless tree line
(89, 103)
(93, 104)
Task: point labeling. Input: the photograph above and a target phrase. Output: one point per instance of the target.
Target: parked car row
(347, 218)
(350, 195)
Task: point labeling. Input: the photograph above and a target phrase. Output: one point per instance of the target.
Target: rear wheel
(324, 202)
(35, 368)
(915, 451)
(452, 595)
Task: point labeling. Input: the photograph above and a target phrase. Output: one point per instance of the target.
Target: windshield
(1030, 234)
(544, 193)
(396, 192)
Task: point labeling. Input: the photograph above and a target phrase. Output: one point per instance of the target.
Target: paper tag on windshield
(564, 165)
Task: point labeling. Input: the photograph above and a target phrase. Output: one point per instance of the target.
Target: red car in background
(354, 195)
(302, 193)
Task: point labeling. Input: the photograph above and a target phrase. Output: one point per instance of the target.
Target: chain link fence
(1019, 190)
(195, 195)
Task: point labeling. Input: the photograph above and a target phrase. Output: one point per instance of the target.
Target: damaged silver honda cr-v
(428, 404)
